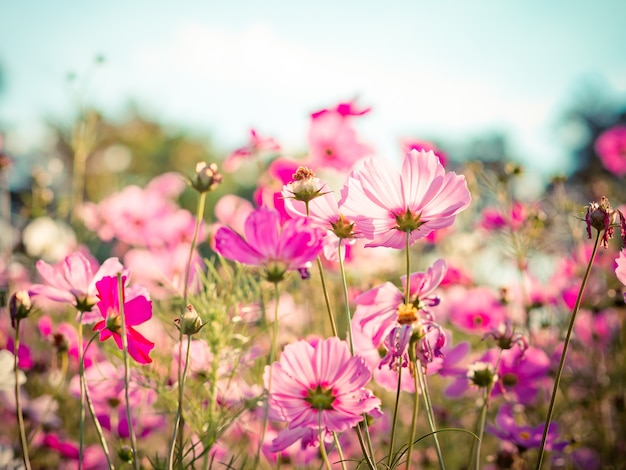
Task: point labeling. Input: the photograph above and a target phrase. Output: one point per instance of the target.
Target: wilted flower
(304, 187)
(603, 218)
(506, 337)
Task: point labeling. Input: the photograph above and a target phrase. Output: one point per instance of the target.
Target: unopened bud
(190, 322)
(482, 374)
(125, 454)
(207, 177)
(20, 306)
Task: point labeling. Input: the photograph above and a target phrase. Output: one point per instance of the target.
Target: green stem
(331, 317)
(416, 404)
(272, 358)
(133, 439)
(394, 420)
(177, 432)
(407, 290)
(483, 417)
(323, 453)
(559, 372)
(92, 410)
(18, 398)
(81, 373)
(339, 451)
(429, 410)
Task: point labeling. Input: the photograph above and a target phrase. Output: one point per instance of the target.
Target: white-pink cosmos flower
(386, 204)
(319, 385)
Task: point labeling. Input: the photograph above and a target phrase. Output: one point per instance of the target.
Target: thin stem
(559, 372)
(394, 420)
(331, 317)
(407, 290)
(483, 417)
(339, 451)
(272, 358)
(429, 409)
(92, 410)
(416, 404)
(81, 372)
(177, 432)
(133, 439)
(323, 453)
(320, 268)
(18, 398)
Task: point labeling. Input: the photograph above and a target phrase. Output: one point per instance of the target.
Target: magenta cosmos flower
(73, 281)
(611, 148)
(277, 248)
(137, 310)
(386, 204)
(320, 385)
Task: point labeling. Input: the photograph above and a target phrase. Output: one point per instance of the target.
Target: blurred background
(174, 82)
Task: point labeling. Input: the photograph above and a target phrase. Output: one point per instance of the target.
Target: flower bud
(207, 177)
(190, 322)
(125, 454)
(20, 306)
(482, 374)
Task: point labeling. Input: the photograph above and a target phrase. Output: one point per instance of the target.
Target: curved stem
(131, 433)
(177, 432)
(559, 372)
(92, 410)
(18, 398)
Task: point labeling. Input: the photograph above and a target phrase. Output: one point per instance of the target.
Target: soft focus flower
(48, 238)
(506, 337)
(207, 178)
(476, 310)
(387, 204)
(524, 437)
(611, 148)
(7, 371)
(482, 374)
(620, 270)
(333, 141)
(276, 248)
(73, 281)
(422, 145)
(137, 310)
(320, 385)
(256, 146)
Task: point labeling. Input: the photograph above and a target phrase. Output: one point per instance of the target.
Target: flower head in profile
(73, 281)
(137, 310)
(277, 248)
(602, 217)
(320, 385)
(388, 204)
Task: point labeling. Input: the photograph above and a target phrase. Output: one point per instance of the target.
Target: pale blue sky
(428, 68)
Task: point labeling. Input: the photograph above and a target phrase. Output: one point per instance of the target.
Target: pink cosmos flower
(611, 148)
(384, 305)
(255, 146)
(64, 337)
(620, 270)
(412, 144)
(137, 310)
(320, 385)
(476, 310)
(277, 248)
(495, 219)
(333, 141)
(386, 204)
(73, 281)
